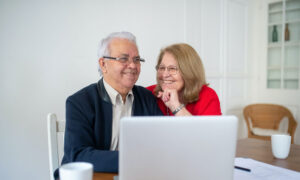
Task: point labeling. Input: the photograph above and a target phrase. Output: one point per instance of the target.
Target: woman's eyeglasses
(171, 69)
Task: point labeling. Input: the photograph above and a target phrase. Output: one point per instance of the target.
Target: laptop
(177, 148)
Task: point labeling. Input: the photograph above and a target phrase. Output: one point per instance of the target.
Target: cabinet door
(283, 44)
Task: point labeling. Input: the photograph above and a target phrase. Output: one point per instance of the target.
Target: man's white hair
(103, 48)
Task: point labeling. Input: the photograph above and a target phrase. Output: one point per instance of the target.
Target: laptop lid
(177, 148)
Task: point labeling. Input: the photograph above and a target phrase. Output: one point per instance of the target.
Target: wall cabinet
(283, 54)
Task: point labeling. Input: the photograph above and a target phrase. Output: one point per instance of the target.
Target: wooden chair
(56, 131)
(263, 120)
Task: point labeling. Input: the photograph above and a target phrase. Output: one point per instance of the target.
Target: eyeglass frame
(119, 59)
(168, 69)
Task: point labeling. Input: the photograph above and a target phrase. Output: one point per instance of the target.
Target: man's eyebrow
(125, 55)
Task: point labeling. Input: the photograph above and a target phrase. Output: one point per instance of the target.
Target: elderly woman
(181, 86)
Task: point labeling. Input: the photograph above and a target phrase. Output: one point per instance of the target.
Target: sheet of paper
(262, 171)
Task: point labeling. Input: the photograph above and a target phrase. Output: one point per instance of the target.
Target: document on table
(262, 171)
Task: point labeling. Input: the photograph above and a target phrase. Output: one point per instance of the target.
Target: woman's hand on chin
(170, 98)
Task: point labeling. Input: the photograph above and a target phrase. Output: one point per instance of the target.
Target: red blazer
(207, 104)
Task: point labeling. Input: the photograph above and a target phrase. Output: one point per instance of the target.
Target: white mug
(76, 171)
(280, 145)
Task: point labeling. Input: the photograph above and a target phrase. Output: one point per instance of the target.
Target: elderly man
(93, 114)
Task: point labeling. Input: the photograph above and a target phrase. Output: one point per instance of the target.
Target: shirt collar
(114, 95)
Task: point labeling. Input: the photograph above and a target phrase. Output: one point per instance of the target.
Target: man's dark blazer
(89, 125)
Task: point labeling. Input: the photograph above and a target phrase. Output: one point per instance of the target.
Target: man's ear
(102, 65)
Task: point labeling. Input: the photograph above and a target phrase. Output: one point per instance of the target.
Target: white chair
(56, 132)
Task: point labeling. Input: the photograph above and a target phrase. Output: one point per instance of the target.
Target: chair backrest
(268, 116)
(56, 131)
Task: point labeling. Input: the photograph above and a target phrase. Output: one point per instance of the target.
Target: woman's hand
(170, 98)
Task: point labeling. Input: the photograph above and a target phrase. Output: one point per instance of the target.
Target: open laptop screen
(177, 148)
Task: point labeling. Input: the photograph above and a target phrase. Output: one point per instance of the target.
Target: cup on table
(281, 144)
(76, 171)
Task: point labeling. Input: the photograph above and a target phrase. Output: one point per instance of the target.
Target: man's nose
(131, 63)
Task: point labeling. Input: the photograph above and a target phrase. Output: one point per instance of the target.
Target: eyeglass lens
(171, 69)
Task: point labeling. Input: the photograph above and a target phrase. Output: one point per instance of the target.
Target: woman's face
(168, 74)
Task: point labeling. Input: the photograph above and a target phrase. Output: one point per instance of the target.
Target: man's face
(121, 76)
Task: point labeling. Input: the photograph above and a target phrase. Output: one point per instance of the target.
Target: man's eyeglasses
(125, 60)
(171, 69)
